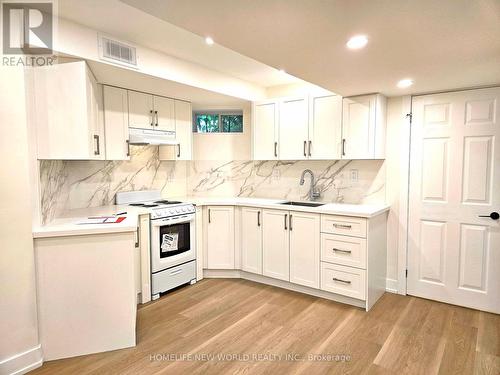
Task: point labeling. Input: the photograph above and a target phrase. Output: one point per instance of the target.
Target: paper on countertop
(102, 220)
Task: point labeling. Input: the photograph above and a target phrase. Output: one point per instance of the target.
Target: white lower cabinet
(275, 244)
(304, 231)
(251, 240)
(347, 281)
(220, 237)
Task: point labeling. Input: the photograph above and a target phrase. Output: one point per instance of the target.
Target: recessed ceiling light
(357, 42)
(282, 71)
(209, 41)
(404, 83)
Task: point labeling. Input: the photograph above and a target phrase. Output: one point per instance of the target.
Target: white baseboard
(391, 286)
(22, 363)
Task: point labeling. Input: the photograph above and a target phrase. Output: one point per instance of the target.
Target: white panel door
(453, 253)
(220, 237)
(358, 127)
(116, 123)
(304, 248)
(140, 110)
(325, 127)
(275, 244)
(251, 240)
(293, 128)
(164, 109)
(265, 130)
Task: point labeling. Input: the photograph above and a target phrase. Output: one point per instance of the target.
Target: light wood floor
(400, 335)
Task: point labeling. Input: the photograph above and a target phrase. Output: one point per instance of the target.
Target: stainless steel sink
(304, 204)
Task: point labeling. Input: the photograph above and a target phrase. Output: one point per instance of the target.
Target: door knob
(493, 215)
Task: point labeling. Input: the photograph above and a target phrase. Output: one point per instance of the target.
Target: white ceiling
(130, 24)
(441, 44)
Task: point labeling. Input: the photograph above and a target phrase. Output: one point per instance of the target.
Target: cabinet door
(304, 248)
(116, 123)
(275, 244)
(293, 129)
(358, 127)
(95, 117)
(66, 119)
(164, 113)
(265, 130)
(251, 240)
(325, 127)
(183, 130)
(220, 237)
(140, 110)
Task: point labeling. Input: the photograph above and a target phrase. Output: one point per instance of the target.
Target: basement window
(218, 122)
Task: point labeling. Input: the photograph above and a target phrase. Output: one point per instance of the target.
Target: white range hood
(151, 137)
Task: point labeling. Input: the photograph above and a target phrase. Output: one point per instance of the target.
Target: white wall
(18, 320)
(295, 89)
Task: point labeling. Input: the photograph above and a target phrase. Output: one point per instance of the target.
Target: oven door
(172, 241)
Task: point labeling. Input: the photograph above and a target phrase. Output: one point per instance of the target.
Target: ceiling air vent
(115, 51)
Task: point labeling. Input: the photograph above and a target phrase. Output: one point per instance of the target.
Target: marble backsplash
(69, 184)
(76, 184)
(280, 179)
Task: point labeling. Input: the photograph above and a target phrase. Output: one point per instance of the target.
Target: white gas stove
(173, 253)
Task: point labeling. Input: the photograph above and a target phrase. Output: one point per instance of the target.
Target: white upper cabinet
(363, 127)
(68, 112)
(163, 113)
(265, 130)
(116, 123)
(140, 110)
(325, 127)
(293, 128)
(148, 111)
(183, 134)
(251, 240)
(220, 237)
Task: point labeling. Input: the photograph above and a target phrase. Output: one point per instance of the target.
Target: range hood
(151, 137)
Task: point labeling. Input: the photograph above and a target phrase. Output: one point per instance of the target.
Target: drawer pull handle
(341, 281)
(343, 226)
(342, 251)
(176, 272)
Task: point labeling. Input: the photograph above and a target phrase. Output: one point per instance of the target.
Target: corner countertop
(355, 210)
(66, 225)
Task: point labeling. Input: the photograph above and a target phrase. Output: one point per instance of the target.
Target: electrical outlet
(354, 175)
(276, 174)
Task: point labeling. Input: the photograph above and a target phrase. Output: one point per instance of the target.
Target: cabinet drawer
(343, 280)
(344, 250)
(173, 277)
(350, 226)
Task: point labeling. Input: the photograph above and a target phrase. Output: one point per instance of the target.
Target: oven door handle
(182, 219)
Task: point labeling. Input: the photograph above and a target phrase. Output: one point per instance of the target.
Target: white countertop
(357, 210)
(67, 224)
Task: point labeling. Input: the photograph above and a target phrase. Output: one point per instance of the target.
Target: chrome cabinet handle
(209, 216)
(341, 281)
(310, 145)
(96, 139)
(341, 251)
(286, 217)
(128, 147)
(290, 222)
(305, 144)
(156, 114)
(275, 149)
(343, 147)
(152, 117)
(258, 218)
(343, 226)
(179, 150)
